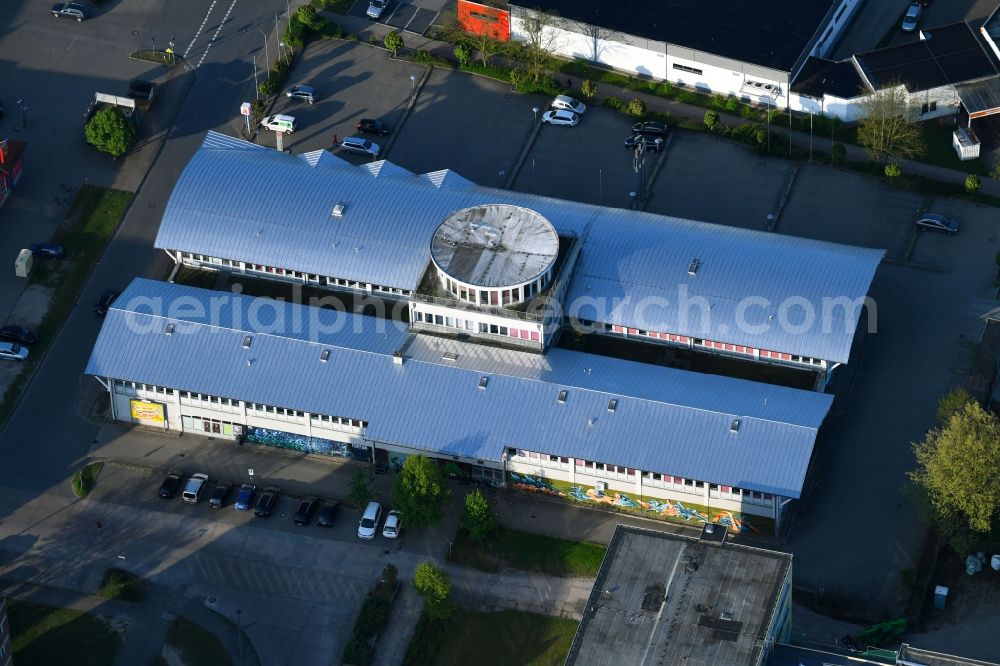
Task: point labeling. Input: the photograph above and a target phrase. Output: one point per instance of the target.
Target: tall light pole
(768, 124)
(256, 86)
(413, 84)
(239, 633)
(534, 110)
(810, 135)
(267, 56)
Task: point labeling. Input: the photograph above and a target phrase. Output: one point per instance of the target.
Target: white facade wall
(574, 471)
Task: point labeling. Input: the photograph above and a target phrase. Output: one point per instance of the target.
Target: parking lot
(405, 15)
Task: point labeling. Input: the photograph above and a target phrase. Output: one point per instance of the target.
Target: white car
(912, 17)
(560, 117)
(569, 104)
(360, 145)
(376, 8)
(13, 351)
(368, 526)
(195, 488)
(279, 123)
(393, 525)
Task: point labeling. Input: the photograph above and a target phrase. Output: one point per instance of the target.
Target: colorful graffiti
(316, 445)
(396, 461)
(665, 507)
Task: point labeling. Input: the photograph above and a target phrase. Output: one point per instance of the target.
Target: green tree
(110, 131)
(485, 43)
(360, 489)
(972, 184)
(885, 130)
(838, 153)
(636, 107)
(419, 491)
(957, 478)
(711, 119)
(892, 171)
(588, 89)
(951, 403)
(463, 54)
(540, 41)
(434, 585)
(478, 518)
(393, 41)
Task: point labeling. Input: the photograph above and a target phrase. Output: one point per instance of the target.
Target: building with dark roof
(751, 50)
(673, 600)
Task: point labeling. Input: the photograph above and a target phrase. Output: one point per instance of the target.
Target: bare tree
(541, 40)
(886, 131)
(485, 43)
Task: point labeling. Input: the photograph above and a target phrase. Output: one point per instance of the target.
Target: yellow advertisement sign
(147, 411)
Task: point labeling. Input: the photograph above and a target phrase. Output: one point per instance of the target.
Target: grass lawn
(55, 636)
(83, 480)
(89, 224)
(941, 153)
(528, 552)
(197, 646)
(515, 639)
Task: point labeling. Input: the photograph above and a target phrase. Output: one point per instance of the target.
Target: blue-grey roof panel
(762, 290)
(665, 420)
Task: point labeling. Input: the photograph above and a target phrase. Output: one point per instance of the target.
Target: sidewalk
(364, 28)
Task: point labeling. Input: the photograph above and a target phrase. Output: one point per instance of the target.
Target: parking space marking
(401, 19)
(216, 35)
(200, 28)
(424, 23)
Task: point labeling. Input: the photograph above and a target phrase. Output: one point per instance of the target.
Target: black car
(327, 512)
(370, 126)
(104, 302)
(647, 141)
(171, 483)
(649, 127)
(18, 334)
(307, 507)
(935, 222)
(267, 501)
(48, 251)
(219, 495)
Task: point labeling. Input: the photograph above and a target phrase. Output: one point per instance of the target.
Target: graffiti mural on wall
(317, 445)
(665, 507)
(396, 461)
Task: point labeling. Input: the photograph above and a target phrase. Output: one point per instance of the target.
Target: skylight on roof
(246, 342)
(324, 356)
(561, 398)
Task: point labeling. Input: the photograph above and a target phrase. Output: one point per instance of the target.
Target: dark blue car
(245, 498)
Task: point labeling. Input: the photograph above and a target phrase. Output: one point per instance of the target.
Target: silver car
(13, 351)
(361, 145)
(568, 103)
(377, 8)
(302, 92)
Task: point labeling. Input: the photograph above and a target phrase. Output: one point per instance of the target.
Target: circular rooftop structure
(495, 254)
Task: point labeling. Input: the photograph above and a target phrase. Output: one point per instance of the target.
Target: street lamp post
(239, 633)
(768, 124)
(267, 56)
(256, 86)
(413, 84)
(534, 110)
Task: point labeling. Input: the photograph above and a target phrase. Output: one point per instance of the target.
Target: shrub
(749, 113)
(892, 170)
(972, 184)
(268, 86)
(463, 54)
(711, 119)
(373, 40)
(84, 478)
(636, 107)
(359, 487)
(393, 41)
(613, 102)
(428, 58)
(746, 133)
(110, 131)
(588, 89)
(306, 15)
(389, 574)
(371, 618)
(545, 86)
(433, 584)
(119, 584)
(838, 153)
(478, 518)
(732, 104)
(516, 76)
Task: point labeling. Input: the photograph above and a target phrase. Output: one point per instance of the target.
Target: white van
(369, 521)
(279, 123)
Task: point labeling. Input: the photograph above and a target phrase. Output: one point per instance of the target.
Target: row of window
(685, 68)
(481, 327)
(712, 344)
(649, 478)
(284, 272)
(492, 297)
(270, 411)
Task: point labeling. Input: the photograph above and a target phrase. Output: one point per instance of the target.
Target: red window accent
(730, 347)
(633, 331)
(765, 354)
(534, 336)
(786, 357)
(617, 329)
(725, 489)
(683, 338)
(579, 463)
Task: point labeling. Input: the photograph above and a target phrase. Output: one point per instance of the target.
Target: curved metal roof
(495, 245)
(634, 266)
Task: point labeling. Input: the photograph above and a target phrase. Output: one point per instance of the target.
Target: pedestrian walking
(336, 140)
(99, 526)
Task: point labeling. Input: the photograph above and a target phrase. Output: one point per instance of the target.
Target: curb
(512, 176)
(656, 167)
(409, 108)
(783, 199)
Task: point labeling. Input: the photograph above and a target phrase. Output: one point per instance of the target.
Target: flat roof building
(675, 600)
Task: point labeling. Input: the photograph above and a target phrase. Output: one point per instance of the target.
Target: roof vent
(246, 342)
(170, 329)
(612, 405)
(338, 209)
(561, 398)
(693, 267)
(483, 381)
(449, 356)
(324, 356)
(591, 421)
(734, 426)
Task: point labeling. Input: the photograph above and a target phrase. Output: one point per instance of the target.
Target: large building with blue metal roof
(368, 230)
(590, 427)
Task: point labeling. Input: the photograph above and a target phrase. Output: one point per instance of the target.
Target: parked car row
(368, 525)
(564, 110)
(263, 504)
